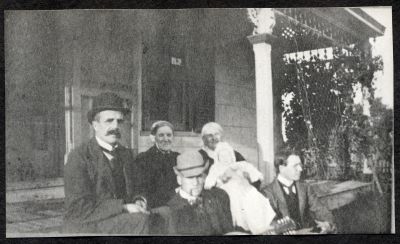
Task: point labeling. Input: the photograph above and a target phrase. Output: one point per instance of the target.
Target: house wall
(235, 96)
(232, 72)
(93, 51)
(107, 51)
(48, 51)
(185, 34)
(35, 70)
(235, 103)
(181, 142)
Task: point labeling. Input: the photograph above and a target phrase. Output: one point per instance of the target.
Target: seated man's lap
(126, 223)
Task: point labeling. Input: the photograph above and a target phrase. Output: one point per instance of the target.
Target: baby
(250, 209)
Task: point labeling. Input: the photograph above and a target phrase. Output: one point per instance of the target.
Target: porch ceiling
(301, 29)
(316, 27)
(352, 19)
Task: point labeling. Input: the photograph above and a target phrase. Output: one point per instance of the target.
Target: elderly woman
(157, 182)
(212, 134)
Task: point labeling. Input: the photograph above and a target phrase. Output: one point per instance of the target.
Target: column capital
(262, 38)
(263, 19)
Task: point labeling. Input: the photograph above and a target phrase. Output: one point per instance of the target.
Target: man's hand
(325, 227)
(135, 208)
(141, 203)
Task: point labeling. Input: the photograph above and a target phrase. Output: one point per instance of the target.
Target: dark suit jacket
(90, 189)
(157, 182)
(309, 205)
(213, 217)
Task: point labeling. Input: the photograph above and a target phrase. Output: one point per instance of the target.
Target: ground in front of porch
(369, 212)
(36, 218)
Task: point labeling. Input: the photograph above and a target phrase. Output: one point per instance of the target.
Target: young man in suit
(295, 199)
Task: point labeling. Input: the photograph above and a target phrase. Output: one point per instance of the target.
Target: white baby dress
(250, 209)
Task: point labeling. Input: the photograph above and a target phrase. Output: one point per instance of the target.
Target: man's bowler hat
(190, 164)
(106, 101)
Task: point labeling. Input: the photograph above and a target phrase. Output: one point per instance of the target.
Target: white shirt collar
(105, 144)
(287, 183)
(284, 181)
(185, 195)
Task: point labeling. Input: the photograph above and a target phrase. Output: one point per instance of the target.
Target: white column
(393, 222)
(265, 103)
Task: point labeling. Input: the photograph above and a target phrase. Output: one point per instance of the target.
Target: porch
(73, 56)
(357, 208)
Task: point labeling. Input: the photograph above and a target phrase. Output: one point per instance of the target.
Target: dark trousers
(126, 223)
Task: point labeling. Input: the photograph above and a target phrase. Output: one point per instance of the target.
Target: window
(178, 74)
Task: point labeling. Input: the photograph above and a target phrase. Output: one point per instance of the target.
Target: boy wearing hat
(96, 195)
(195, 211)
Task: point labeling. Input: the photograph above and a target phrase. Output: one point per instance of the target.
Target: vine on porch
(322, 118)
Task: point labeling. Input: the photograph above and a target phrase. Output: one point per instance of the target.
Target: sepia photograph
(199, 122)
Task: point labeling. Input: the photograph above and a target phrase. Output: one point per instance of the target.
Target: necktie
(291, 189)
(112, 152)
(116, 166)
(196, 201)
(114, 162)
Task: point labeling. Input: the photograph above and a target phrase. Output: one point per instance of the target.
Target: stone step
(34, 217)
(35, 190)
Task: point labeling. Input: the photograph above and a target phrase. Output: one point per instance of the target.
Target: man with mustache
(96, 184)
(194, 210)
(158, 183)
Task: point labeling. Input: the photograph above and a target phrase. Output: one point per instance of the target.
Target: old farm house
(186, 66)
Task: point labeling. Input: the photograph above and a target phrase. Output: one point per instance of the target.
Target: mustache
(168, 141)
(115, 132)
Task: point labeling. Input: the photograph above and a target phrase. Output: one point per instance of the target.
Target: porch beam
(366, 19)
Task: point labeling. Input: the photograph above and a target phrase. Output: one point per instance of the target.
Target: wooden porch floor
(34, 219)
(355, 207)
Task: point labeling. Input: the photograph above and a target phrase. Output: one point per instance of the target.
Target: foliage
(323, 121)
(382, 129)
(371, 136)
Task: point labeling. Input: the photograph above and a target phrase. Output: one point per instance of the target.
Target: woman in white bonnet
(250, 209)
(212, 134)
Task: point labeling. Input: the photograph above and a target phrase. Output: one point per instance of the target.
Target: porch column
(262, 38)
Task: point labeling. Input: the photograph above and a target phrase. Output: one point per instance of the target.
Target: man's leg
(134, 224)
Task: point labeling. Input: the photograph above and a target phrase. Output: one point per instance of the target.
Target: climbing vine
(322, 119)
